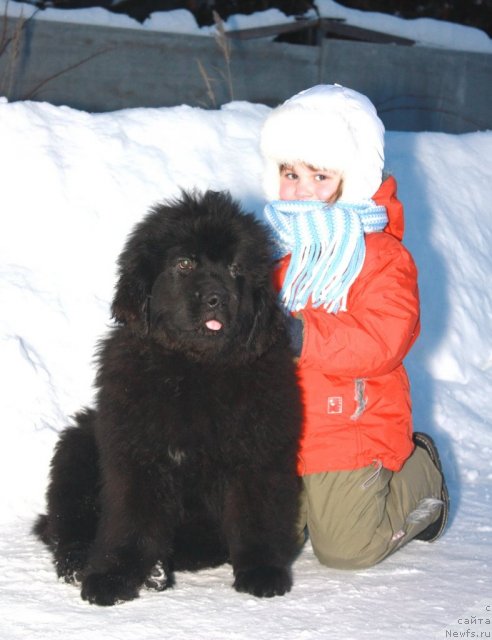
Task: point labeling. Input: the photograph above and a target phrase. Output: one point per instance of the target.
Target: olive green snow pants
(357, 518)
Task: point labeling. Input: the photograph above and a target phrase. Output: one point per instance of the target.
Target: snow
(425, 31)
(73, 185)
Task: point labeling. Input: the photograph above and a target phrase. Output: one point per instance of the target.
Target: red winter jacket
(357, 408)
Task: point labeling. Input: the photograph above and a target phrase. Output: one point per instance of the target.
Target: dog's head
(195, 275)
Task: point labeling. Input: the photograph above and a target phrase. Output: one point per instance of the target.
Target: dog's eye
(186, 264)
(234, 270)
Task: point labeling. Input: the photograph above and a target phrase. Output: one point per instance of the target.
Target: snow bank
(73, 185)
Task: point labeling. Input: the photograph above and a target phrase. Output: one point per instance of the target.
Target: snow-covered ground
(425, 31)
(72, 186)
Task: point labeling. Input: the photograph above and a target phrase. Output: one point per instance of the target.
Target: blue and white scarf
(327, 247)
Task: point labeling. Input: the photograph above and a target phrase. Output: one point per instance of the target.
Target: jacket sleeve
(381, 323)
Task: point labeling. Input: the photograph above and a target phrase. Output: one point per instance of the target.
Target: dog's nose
(215, 299)
(213, 295)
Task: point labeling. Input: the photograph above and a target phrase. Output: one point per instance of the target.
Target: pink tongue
(213, 325)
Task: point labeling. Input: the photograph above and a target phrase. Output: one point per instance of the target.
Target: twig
(225, 46)
(208, 83)
(71, 67)
(14, 42)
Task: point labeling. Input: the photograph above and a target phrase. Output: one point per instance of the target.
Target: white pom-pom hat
(326, 127)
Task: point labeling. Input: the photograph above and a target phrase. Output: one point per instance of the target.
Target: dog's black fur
(189, 458)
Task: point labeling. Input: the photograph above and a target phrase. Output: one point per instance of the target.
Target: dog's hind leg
(161, 577)
(70, 524)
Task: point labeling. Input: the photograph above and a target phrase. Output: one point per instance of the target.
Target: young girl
(350, 287)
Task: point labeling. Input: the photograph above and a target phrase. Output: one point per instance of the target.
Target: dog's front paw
(107, 589)
(263, 582)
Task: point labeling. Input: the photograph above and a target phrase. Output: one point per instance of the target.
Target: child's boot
(436, 529)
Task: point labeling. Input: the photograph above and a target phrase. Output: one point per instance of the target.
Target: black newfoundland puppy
(189, 458)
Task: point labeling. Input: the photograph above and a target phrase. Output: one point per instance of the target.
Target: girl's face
(303, 182)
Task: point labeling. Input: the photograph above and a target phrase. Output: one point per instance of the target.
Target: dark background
(476, 13)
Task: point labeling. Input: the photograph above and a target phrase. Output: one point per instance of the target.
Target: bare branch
(208, 82)
(71, 67)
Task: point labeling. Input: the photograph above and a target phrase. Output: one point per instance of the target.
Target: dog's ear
(130, 306)
(268, 325)
(138, 266)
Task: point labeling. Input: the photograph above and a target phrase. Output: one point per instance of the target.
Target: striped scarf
(327, 247)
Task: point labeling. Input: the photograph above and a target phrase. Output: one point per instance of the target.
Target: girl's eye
(287, 173)
(186, 264)
(320, 177)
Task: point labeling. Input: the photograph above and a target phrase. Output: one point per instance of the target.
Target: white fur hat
(327, 127)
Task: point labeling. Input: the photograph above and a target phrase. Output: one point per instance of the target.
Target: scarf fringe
(327, 248)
